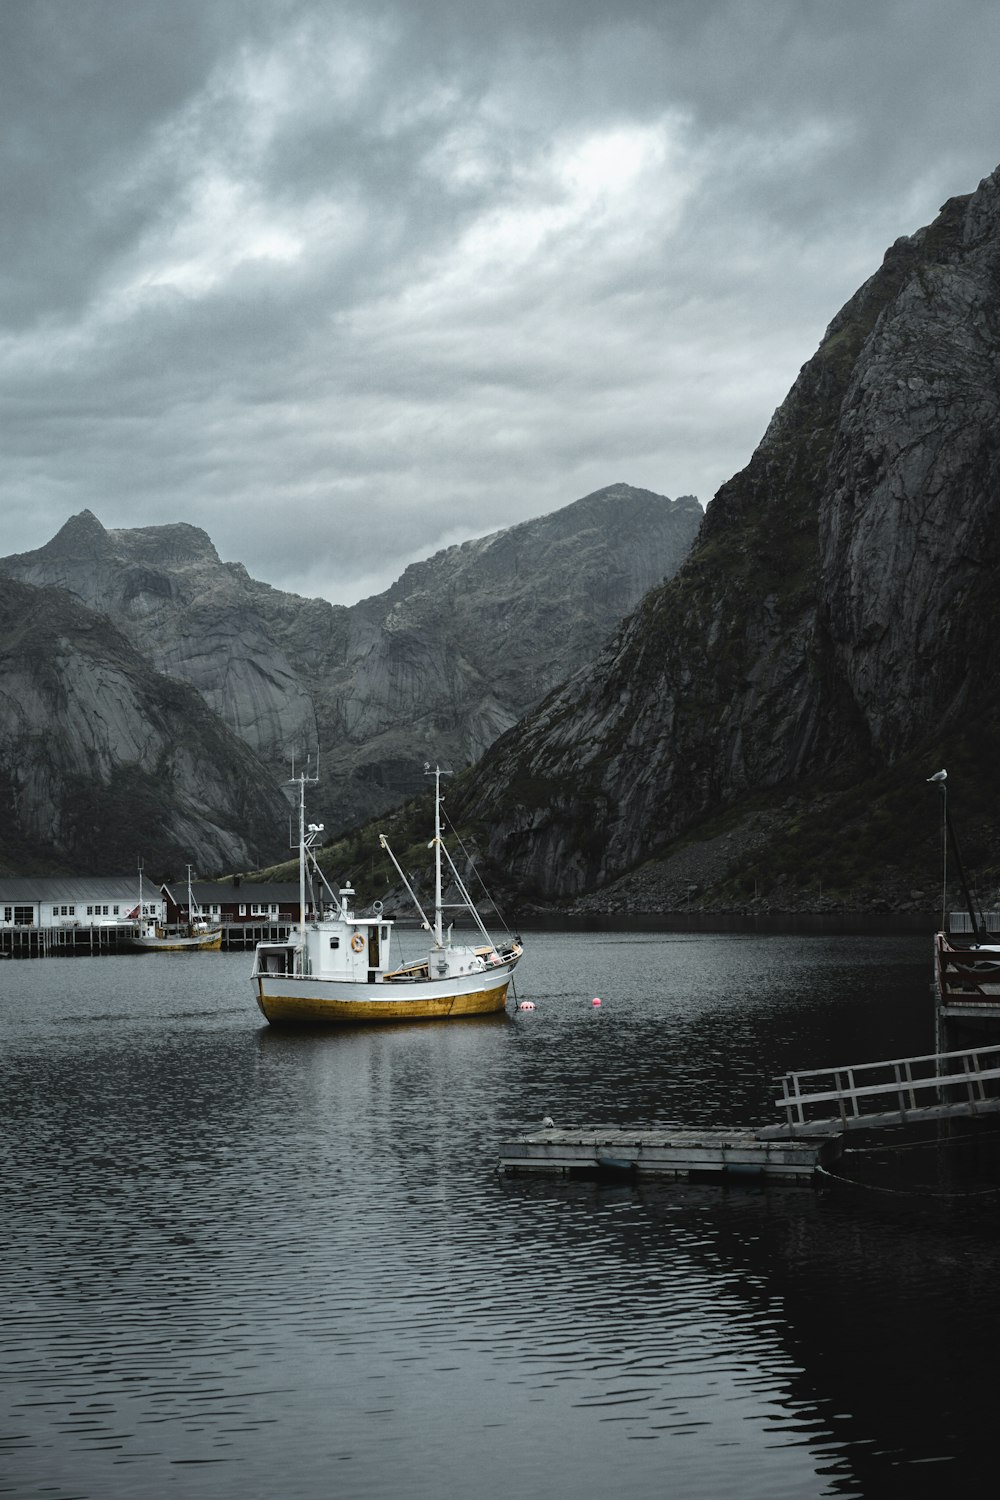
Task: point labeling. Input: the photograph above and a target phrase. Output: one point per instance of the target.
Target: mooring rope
(906, 1146)
(921, 1192)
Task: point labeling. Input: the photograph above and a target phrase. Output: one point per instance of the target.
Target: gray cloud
(345, 283)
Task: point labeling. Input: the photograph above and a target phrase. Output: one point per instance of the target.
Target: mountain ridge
(434, 668)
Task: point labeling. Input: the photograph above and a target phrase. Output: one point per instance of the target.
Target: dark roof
(247, 893)
(75, 888)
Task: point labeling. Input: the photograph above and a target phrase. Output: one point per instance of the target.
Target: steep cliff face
(908, 525)
(438, 666)
(836, 611)
(103, 760)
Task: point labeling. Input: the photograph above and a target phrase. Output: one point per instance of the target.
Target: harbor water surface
(245, 1263)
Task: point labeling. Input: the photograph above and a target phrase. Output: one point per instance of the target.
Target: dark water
(243, 1263)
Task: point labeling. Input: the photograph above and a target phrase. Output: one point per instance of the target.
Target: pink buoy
(526, 1005)
(595, 1001)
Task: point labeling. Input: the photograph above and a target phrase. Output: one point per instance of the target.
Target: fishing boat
(337, 967)
(152, 935)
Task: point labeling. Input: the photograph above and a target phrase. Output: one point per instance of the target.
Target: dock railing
(860, 1096)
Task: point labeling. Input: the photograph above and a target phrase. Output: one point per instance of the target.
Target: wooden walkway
(905, 1090)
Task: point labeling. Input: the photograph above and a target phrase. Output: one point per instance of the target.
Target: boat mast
(302, 860)
(190, 900)
(302, 780)
(438, 923)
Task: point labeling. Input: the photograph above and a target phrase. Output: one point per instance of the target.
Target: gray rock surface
(837, 612)
(104, 761)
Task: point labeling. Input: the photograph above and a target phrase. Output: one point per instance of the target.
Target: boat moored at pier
(151, 935)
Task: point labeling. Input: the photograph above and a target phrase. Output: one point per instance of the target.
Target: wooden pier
(107, 939)
(58, 942)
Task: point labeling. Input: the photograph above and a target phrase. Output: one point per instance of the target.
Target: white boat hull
(292, 998)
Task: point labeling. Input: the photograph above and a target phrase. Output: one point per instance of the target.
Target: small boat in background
(153, 936)
(337, 967)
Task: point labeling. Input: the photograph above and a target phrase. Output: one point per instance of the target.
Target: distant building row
(89, 901)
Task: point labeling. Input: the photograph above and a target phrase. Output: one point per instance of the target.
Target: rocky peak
(82, 536)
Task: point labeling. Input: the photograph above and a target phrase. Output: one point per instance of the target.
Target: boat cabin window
(335, 942)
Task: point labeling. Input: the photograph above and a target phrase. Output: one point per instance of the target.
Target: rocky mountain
(435, 668)
(104, 761)
(827, 644)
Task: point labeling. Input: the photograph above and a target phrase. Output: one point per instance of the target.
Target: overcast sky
(345, 283)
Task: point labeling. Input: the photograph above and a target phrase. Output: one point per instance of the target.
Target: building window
(8, 914)
(24, 916)
(90, 911)
(114, 911)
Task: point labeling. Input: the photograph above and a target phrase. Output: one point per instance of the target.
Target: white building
(75, 900)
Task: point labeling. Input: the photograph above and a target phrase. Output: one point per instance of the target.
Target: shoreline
(833, 923)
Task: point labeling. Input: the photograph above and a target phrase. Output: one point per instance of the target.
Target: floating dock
(715, 1154)
(820, 1106)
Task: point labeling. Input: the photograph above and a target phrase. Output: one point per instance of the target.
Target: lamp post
(940, 778)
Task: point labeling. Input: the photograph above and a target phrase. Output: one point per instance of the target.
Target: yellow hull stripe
(295, 1008)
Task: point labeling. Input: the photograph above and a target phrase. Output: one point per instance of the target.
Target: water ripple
(285, 1261)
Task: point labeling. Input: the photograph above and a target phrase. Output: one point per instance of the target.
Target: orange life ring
(358, 942)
